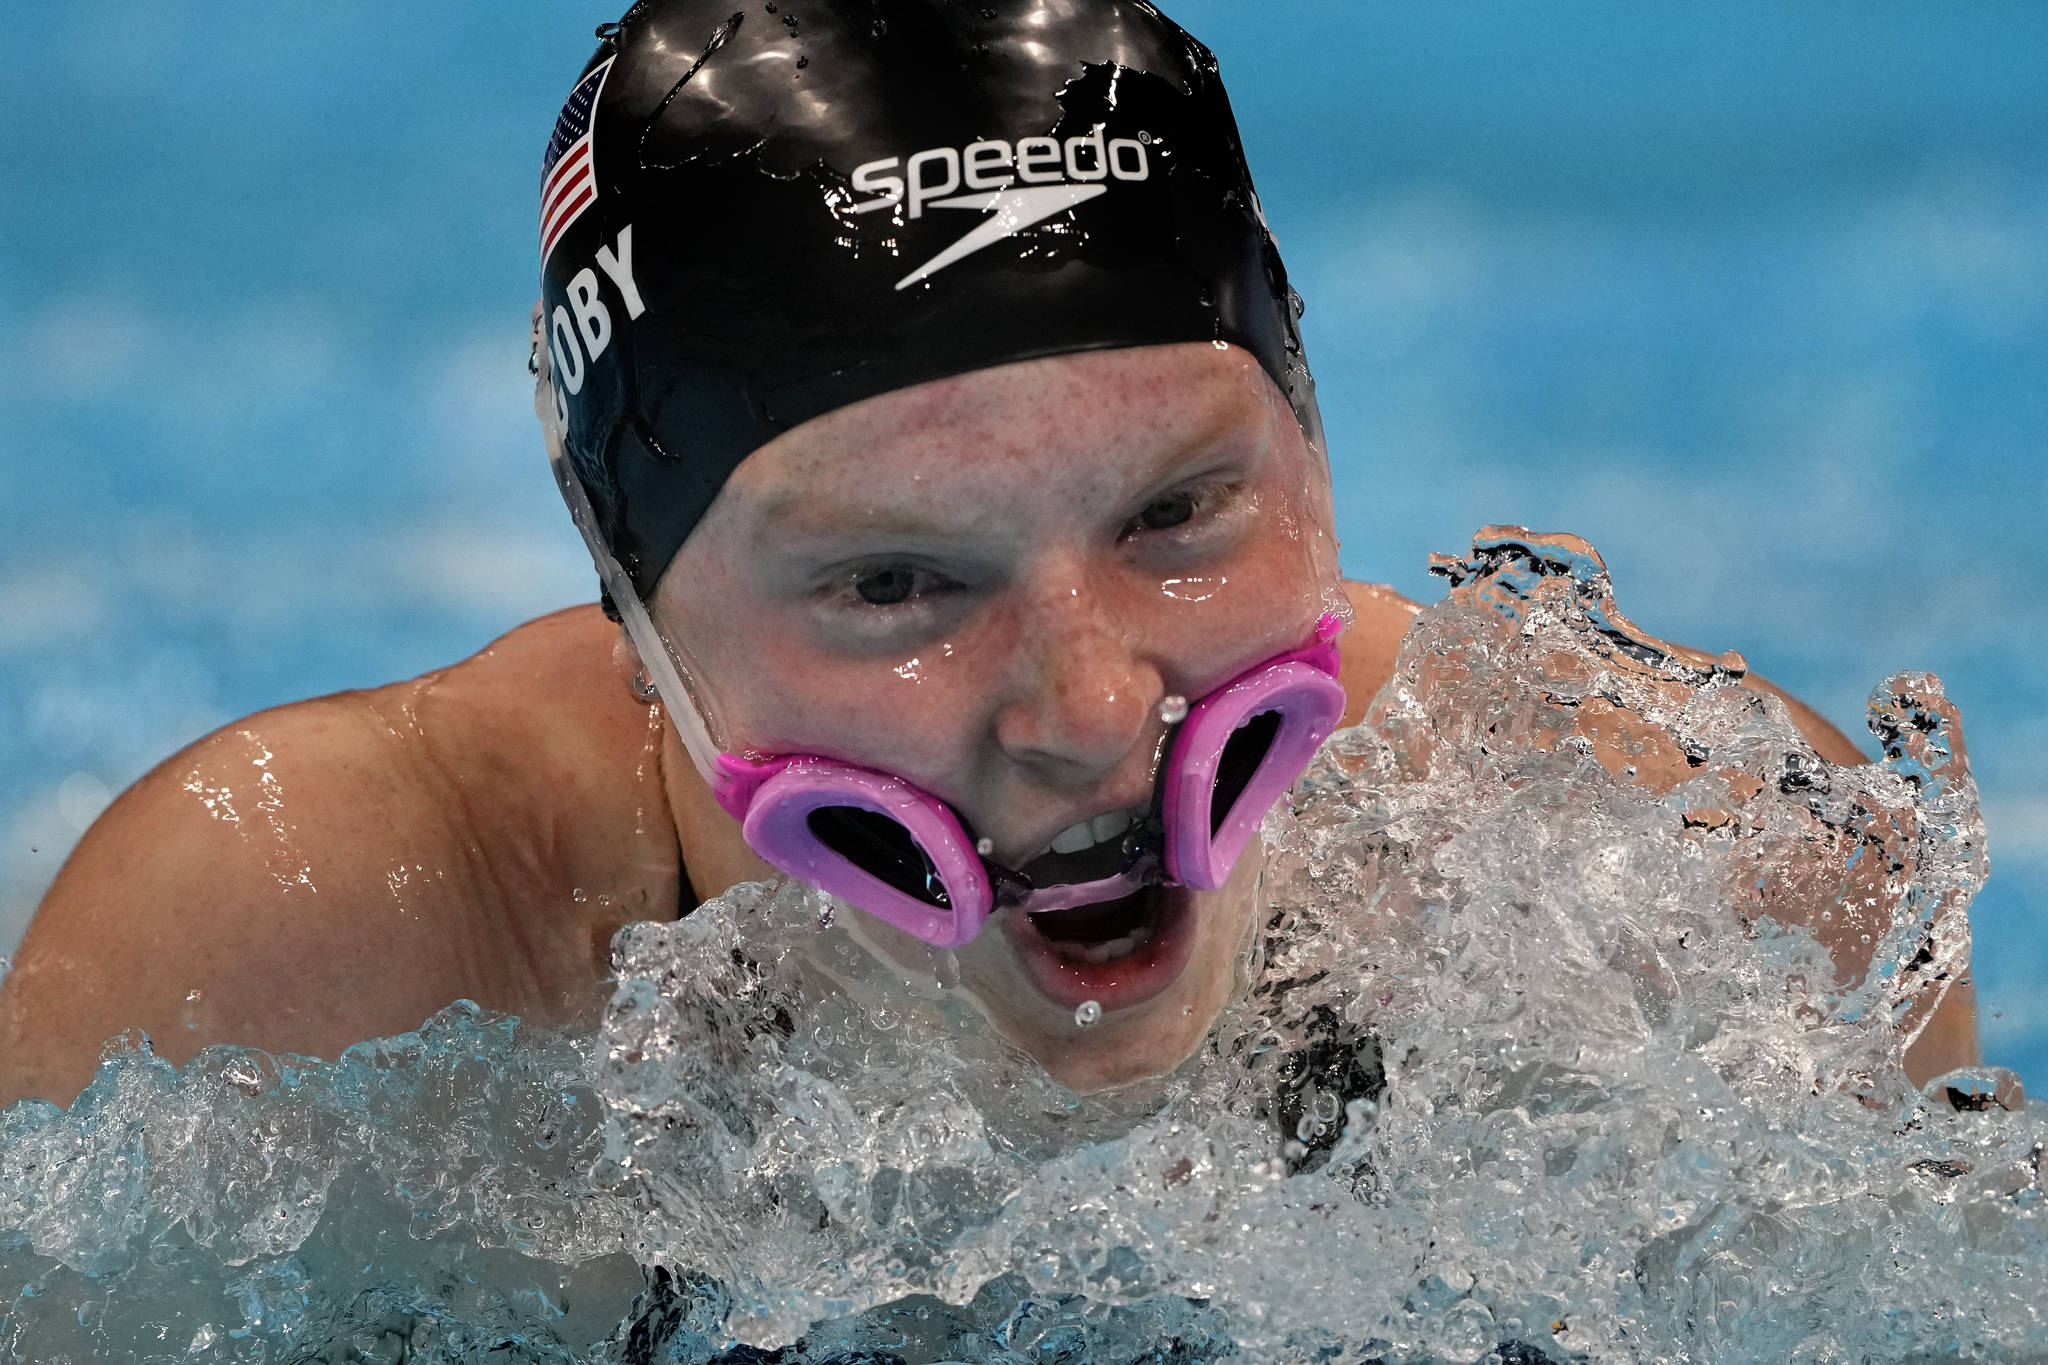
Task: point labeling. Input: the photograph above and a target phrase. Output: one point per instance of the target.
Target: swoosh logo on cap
(1011, 211)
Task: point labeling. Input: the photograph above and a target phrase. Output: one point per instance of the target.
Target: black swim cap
(751, 217)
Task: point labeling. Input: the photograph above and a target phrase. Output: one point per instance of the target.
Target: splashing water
(1574, 1032)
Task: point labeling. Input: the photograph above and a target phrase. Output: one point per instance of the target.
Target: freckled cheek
(922, 726)
(1258, 600)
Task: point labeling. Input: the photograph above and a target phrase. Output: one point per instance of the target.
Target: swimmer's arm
(1370, 648)
(249, 890)
(1950, 1038)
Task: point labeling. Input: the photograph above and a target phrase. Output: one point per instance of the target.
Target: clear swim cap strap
(669, 677)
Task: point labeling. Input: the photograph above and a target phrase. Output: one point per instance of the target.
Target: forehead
(1092, 419)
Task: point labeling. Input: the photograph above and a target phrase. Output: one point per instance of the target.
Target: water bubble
(1089, 1014)
(985, 847)
(1173, 708)
(1220, 344)
(948, 971)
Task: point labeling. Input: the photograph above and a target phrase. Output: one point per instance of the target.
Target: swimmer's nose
(1083, 695)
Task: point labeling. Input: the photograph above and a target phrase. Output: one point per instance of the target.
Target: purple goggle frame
(905, 857)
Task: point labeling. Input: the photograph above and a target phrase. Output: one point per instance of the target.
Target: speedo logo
(1054, 176)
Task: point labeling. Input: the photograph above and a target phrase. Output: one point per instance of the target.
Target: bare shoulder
(334, 869)
(1380, 618)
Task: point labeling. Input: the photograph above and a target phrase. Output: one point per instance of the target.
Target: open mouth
(1117, 953)
(1105, 932)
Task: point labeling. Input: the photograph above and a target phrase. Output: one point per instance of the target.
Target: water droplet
(948, 971)
(1173, 708)
(1089, 1014)
(1220, 344)
(984, 847)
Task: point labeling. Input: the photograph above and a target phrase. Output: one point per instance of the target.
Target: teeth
(1074, 838)
(1110, 951)
(1107, 827)
(1089, 833)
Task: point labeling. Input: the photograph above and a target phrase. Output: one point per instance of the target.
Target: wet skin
(986, 584)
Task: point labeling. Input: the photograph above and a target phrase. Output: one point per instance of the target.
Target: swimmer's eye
(885, 588)
(893, 585)
(1163, 514)
(1184, 510)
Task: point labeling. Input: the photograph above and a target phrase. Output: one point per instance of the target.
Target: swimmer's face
(987, 585)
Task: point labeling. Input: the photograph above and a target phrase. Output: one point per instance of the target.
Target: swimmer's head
(754, 217)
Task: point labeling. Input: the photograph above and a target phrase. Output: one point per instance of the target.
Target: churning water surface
(1536, 1059)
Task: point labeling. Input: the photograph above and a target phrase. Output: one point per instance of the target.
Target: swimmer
(927, 388)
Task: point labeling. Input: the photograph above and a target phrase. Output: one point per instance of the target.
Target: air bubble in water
(1173, 709)
(984, 847)
(949, 971)
(1089, 1014)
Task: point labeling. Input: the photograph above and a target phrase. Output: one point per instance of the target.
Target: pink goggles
(906, 857)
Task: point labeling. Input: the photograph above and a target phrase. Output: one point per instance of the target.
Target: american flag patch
(568, 185)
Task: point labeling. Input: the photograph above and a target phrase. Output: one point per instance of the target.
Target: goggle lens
(883, 849)
(1243, 756)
